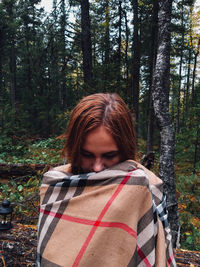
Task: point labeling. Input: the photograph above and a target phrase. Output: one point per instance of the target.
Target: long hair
(95, 110)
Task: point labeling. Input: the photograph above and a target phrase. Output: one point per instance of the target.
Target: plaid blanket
(113, 218)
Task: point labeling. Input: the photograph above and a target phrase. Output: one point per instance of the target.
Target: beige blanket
(114, 218)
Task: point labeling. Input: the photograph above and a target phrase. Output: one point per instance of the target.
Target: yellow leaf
(188, 233)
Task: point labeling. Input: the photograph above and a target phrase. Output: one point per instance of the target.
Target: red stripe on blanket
(97, 223)
(143, 257)
(123, 226)
(119, 225)
(170, 259)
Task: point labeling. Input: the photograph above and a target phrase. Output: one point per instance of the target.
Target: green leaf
(20, 188)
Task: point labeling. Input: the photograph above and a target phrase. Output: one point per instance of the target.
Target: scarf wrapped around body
(113, 218)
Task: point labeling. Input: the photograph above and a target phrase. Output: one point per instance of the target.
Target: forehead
(99, 140)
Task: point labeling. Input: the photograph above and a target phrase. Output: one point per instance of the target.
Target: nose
(98, 165)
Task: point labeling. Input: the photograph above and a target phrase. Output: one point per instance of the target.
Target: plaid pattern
(116, 217)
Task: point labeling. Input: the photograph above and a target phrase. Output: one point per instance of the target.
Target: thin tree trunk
(194, 71)
(13, 82)
(150, 120)
(119, 42)
(64, 62)
(136, 63)
(107, 35)
(1, 57)
(188, 85)
(86, 42)
(127, 32)
(161, 107)
(180, 75)
(196, 150)
(188, 72)
(106, 70)
(28, 66)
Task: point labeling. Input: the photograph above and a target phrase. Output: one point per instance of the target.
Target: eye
(86, 154)
(111, 155)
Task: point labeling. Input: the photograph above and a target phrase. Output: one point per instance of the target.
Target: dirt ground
(18, 249)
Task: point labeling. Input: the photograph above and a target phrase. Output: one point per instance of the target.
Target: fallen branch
(20, 171)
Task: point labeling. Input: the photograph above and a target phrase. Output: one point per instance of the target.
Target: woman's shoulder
(153, 179)
(63, 168)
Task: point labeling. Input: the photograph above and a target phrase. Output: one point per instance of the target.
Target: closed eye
(111, 154)
(87, 154)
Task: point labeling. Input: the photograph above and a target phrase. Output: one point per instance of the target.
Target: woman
(103, 208)
(104, 115)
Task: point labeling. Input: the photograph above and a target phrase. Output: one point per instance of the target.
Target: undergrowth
(30, 151)
(24, 194)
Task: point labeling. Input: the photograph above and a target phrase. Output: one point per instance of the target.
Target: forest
(147, 51)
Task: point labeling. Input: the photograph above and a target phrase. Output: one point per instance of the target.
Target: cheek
(110, 163)
(85, 162)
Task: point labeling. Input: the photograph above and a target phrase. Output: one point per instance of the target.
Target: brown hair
(92, 111)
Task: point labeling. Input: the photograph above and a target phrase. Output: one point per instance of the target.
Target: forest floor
(18, 249)
(18, 246)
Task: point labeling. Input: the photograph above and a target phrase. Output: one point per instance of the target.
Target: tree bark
(13, 82)
(126, 49)
(161, 107)
(64, 61)
(86, 42)
(136, 63)
(106, 59)
(119, 43)
(195, 150)
(1, 59)
(194, 71)
(150, 120)
(180, 73)
(188, 85)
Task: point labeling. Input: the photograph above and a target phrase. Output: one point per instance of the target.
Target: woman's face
(99, 151)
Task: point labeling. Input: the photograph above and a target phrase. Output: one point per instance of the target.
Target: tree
(86, 42)
(136, 63)
(152, 57)
(160, 95)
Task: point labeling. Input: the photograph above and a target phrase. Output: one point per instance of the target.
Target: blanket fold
(113, 218)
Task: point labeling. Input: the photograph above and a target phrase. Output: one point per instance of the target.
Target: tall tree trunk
(86, 42)
(13, 82)
(64, 63)
(119, 43)
(28, 65)
(1, 58)
(188, 85)
(106, 60)
(161, 107)
(107, 34)
(126, 49)
(154, 33)
(188, 72)
(180, 73)
(196, 149)
(194, 71)
(136, 63)
(12, 63)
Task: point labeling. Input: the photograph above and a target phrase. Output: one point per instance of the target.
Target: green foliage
(46, 151)
(26, 152)
(12, 148)
(24, 195)
(188, 189)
